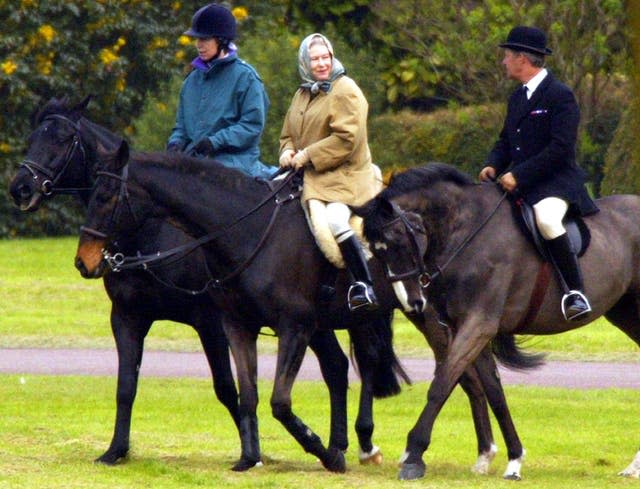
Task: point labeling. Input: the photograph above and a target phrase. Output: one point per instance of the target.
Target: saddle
(316, 212)
(577, 230)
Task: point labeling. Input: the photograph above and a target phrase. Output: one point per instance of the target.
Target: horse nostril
(81, 268)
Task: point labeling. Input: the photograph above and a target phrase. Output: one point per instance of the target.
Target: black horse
(272, 263)
(61, 158)
(455, 244)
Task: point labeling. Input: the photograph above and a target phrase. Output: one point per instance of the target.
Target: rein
(119, 262)
(420, 271)
(48, 186)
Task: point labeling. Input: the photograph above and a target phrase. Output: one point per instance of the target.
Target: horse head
(112, 211)
(61, 152)
(399, 240)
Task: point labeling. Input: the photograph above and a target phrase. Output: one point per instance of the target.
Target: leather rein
(420, 271)
(119, 262)
(48, 185)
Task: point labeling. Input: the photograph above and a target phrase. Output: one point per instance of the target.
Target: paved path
(174, 364)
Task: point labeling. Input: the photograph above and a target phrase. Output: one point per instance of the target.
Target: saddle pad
(316, 212)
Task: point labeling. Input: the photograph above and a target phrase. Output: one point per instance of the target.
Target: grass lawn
(51, 429)
(46, 303)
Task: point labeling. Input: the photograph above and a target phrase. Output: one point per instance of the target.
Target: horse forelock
(53, 106)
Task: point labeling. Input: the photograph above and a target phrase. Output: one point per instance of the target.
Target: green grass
(46, 303)
(53, 427)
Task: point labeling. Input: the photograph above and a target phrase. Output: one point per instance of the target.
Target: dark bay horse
(61, 158)
(454, 244)
(274, 269)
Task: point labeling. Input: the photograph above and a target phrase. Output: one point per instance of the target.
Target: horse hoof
(410, 472)
(512, 477)
(334, 461)
(243, 465)
(111, 458)
(374, 457)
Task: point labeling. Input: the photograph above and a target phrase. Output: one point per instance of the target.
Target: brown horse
(454, 244)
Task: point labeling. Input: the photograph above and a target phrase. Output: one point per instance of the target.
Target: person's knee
(338, 219)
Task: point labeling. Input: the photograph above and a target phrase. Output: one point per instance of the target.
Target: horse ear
(114, 160)
(83, 103)
(122, 155)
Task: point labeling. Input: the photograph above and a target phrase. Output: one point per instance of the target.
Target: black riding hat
(530, 39)
(213, 20)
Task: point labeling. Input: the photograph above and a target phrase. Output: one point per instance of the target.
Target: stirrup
(580, 313)
(361, 296)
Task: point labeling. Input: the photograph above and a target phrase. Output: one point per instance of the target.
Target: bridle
(45, 178)
(420, 271)
(119, 262)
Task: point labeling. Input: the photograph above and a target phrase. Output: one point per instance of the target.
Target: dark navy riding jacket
(538, 145)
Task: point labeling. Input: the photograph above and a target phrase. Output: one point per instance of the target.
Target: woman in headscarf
(325, 131)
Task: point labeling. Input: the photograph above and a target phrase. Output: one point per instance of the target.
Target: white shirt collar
(535, 81)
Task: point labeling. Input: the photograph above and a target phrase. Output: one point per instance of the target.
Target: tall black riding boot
(574, 303)
(361, 295)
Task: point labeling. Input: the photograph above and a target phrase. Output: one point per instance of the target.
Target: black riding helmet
(213, 20)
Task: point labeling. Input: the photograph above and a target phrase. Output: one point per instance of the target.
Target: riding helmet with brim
(213, 21)
(530, 39)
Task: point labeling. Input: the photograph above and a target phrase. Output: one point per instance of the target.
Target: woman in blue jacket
(223, 104)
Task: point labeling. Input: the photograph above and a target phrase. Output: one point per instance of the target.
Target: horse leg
(468, 342)
(292, 343)
(625, 315)
(242, 341)
(438, 336)
(129, 332)
(334, 366)
(487, 371)
(216, 348)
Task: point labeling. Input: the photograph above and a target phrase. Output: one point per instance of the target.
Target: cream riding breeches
(549, 214)
(338, 215)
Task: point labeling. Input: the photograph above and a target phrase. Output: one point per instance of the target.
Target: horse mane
(206, 169)
(379, 210)
(424, 176)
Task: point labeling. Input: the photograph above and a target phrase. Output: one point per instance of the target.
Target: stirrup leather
(573, 293)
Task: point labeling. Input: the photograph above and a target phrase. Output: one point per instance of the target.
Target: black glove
(174, 147)
(204, 147)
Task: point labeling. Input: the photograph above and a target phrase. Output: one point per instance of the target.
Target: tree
(118, 52)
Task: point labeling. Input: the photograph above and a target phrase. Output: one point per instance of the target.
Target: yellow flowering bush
(8, 67)
(46, 33)
(240, 13)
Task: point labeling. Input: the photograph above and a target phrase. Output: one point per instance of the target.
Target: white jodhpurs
(338, 215)
(549, 214)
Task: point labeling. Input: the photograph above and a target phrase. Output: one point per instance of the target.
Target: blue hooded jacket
(224, 101)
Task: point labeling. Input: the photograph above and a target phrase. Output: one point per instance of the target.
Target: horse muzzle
(25, 197)
(90, 260)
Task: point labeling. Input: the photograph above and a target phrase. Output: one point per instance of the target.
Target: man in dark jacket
(535, 156)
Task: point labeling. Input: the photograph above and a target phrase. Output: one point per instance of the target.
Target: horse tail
(372, 348)
(506, 349)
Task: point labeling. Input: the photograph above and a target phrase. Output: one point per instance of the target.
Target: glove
(204, 147)
(300, 159)
(174, 147)
(286, 157)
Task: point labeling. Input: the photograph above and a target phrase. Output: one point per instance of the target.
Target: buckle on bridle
(114, 261)
(424, 279)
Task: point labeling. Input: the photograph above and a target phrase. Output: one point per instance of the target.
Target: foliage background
(429, 68)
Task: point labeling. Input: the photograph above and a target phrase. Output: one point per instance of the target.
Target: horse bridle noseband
(424, 277)
(48, 185)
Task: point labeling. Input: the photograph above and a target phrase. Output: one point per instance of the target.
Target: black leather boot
(361, 295)
(575, 304)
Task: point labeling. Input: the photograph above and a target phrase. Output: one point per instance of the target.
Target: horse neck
(450, 213)
(200, 206)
